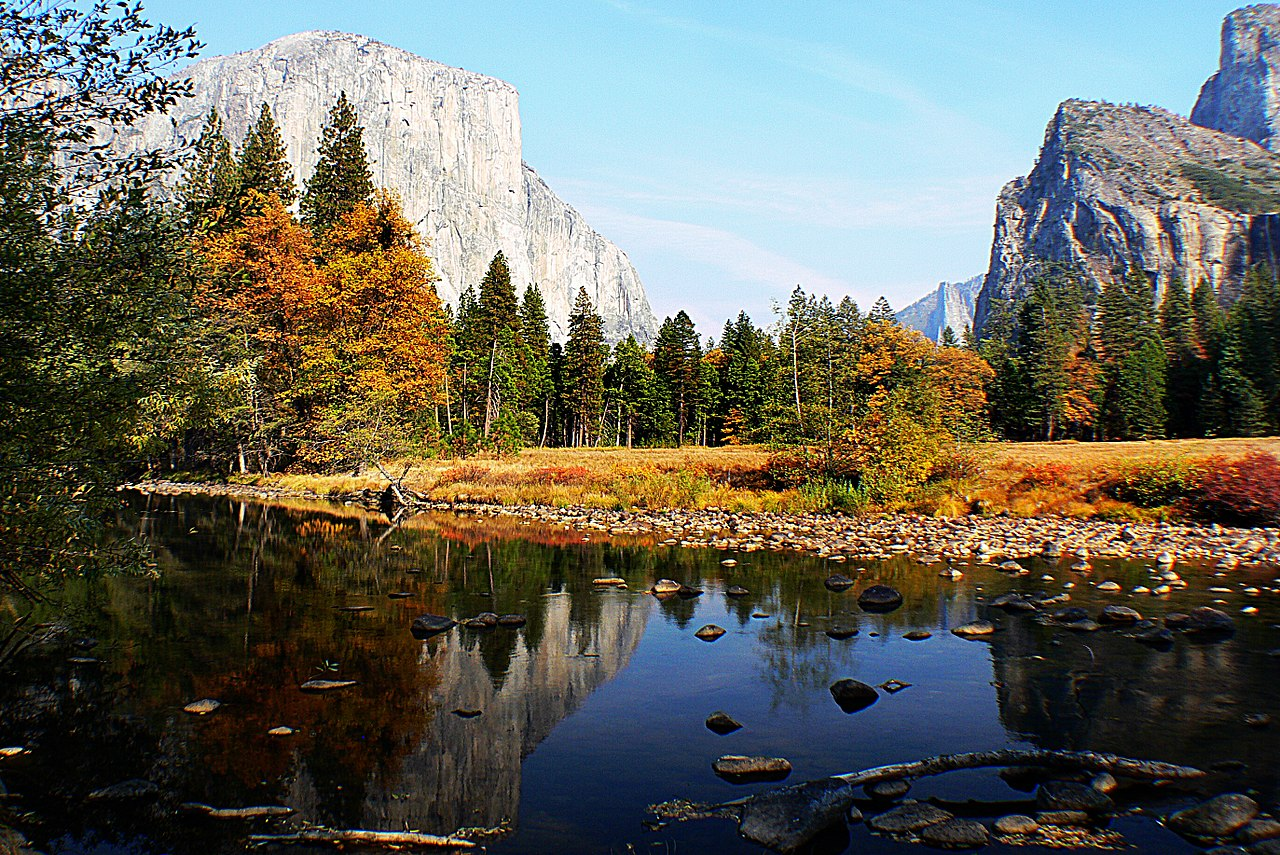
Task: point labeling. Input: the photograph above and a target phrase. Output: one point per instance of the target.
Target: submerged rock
(840, 633)
(887, 790)
(1215, 818)
(512, 621)
(1119, 614)
(429, 625)
(786, 818)
(1207, 622)
(1069, 795)
(736, 591)
(908, 818)
(838, 582)
(956, 834)
(722, 723)
(879, 598)
(852, 695)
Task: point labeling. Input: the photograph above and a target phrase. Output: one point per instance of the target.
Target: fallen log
(786, 818)
(254, 812)
(361, 837)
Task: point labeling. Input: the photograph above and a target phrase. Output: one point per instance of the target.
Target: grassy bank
(1023, 479)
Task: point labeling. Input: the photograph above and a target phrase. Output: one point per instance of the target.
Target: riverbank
(839, 537)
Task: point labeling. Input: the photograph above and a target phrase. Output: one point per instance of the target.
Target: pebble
(203, 706)
(280, 731)
(1016, 823)
(737, 768)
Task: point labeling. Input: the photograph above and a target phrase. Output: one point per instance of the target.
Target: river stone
(1209, 622)
(1011, 567)
(1071, 614)
(736, 591)
(710, 632)
(512, 621)
(204, 706)
(918, 635)
(956, 834)
(887, 791)
(1070, 818)
(1083, 626)
(1218, 817)
(1119, 614)
(1014, 602)
(1069, 795)
(840, 633)
(721, 722)
(879, 598)
(1016, 823)
(1110, 587)
(688, 592)
(838, 583)
(610, 582)
(317, 686)
(429, 625)
(132, 790)
(1157, 636)
(666, 586)
(1104, 782)
(786, 818)
(280, 731)
(738, 769)
(973, 629)
(907, 818)
(852, 695)
(1258, 830)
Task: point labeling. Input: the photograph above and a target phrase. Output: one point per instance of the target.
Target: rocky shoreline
(840, 537)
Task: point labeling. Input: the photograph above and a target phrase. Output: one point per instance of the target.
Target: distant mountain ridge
(447, 140)
(951, 304)
(1120, 185)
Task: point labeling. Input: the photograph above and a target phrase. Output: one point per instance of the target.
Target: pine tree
(501, 357)
(342, 178)
(1253, 326)
(537, 339)
(630, 380)
(210, 183)
(1134, 359)
(1177, 330)
(676, 361)
(948, 338)
(264, 166)
(882, 311)
(585, 359)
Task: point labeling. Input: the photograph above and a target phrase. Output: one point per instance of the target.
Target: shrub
(574, 475)
(1155, 484)
(1243, 492)
(1047, 475)
(463, 473)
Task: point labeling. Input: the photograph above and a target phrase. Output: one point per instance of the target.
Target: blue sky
(735, 150)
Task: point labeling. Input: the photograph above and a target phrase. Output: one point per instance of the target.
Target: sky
(736, 150)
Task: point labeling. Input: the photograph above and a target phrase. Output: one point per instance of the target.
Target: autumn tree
(342, 178)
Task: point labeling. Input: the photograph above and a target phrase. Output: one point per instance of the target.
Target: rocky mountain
(1243, 97)
(950, 305)
(1116, 185)
(446, 139)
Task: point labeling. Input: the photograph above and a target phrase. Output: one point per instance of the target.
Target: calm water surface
(594, 709)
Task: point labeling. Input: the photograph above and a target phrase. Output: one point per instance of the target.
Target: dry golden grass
(1025, 479)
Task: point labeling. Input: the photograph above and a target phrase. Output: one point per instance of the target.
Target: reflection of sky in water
(595, 709)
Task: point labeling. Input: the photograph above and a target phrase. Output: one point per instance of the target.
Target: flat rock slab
(1069, 795)
(908, 818)
(429, 625)
(852, 695)
(1218, 817)
(1016, 823)
(738, 769)
(956, 834)
(204, 706)
(789, 817)
(319, 686)
(974, 629)
(512, 621)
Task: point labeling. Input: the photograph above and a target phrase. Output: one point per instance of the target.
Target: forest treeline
(202, 311)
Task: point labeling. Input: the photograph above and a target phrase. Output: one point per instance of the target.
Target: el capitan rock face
(949, 305)
(1116, 185)
(1243, 97)
(447, 140)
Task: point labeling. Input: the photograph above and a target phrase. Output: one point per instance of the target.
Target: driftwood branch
(386, 839)
(1144, 770)
(254, 812)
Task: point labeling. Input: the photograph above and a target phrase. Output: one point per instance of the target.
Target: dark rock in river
(512, 621)
(887, 791)
(1215, 818)
(974, 629)
(1208, 623)
(840, 633)
(838, 583)
(1014, 602)
(879, 598)
(1069, 818)
(710, 632)
(721, 722)
(1016, 823)
(918, 635)
(1156, 637)
(736, 591)
(429, 625)
(908, 818)
(956, 834)
(852, 695)
(1119, 614)
(1259, 830)
(688, 592)
(737, 769)
(789, 817)
(1069, 795)
(1071, 614)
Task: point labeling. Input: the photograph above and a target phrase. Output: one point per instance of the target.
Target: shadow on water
(588, 712)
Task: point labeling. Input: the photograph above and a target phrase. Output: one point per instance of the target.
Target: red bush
(1243, 492)
(575, 475)
(1047, 475)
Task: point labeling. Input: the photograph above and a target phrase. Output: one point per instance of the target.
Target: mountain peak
(1243, 97)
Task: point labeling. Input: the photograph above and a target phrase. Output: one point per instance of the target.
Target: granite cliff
(1119, 185)
(1243, 97)
(949, 305)
(446, 139)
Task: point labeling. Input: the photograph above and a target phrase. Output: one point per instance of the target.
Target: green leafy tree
(264, 165)
(342, 178)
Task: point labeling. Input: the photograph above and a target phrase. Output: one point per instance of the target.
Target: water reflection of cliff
(1103, 691)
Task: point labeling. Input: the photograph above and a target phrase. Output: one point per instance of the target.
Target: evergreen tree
(882, 311)
(211, 181)
(1177, 330)
(1253, 327)
(585, 359)
(537, 340)
(948, 338)
(630, 381)
(264, 166)
(342, 178)
(501, 358)
(1133, 358)
(1209, 326)
(677, 361)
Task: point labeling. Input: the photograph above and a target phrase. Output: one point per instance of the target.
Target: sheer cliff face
(447, 140)
(1243, 97)
(951, 305)
(1120, 185)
